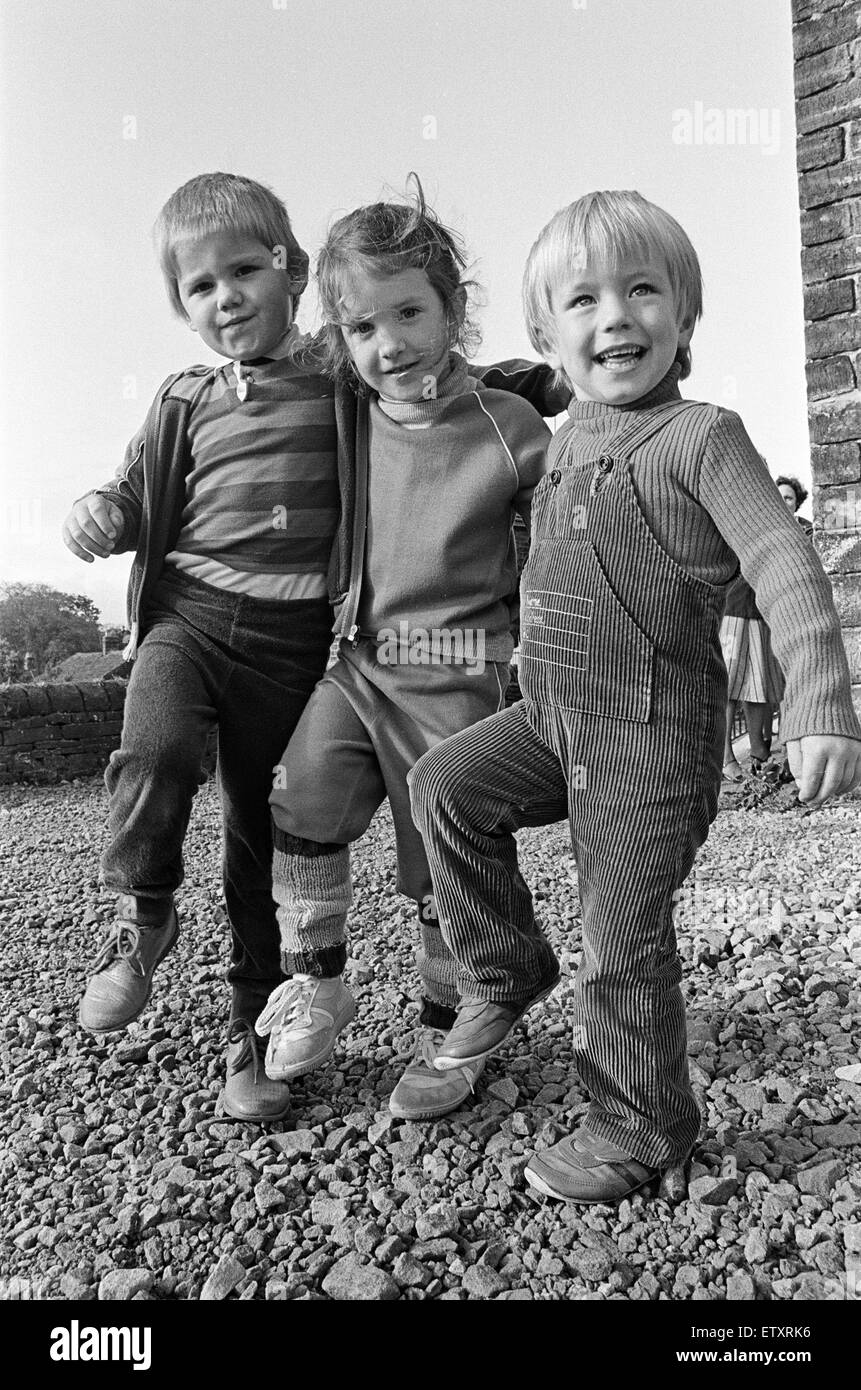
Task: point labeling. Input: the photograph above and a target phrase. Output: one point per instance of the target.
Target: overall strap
(642, 428)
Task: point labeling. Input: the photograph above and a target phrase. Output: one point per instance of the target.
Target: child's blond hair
(227, 202)
(606, 228)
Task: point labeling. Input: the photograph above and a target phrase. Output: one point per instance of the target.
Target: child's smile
(397, 334)
(616, 329)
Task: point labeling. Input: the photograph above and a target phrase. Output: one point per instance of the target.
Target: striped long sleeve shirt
(262, 503)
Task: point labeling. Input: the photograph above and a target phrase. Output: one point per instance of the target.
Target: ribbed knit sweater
(712, 504)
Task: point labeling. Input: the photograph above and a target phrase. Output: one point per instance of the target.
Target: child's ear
(550, 354)
(686, 331)
(299, 271)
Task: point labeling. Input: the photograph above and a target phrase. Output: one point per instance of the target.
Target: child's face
(397, 334)
(616, 330)
(234, 296)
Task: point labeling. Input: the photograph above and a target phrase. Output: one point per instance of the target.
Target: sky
(507, 109)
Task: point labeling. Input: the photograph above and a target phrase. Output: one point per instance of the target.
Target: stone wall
(49, 733)
(827, 44)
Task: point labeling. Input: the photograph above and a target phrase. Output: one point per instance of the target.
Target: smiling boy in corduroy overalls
(649, 505)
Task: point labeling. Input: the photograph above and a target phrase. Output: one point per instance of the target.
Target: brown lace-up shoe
(121, 974)
(248, 1092)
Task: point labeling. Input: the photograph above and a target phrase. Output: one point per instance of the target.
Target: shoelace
(424, 1044)
(241, 1031)
(289, 1005)
(420, 1045)
(121, 943)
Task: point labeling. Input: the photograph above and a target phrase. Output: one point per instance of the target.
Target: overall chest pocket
(580, 650)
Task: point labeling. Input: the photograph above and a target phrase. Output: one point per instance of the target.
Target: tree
(41, 626)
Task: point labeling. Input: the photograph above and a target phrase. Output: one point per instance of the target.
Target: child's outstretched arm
(107, 520)
(824, 765)
(818, 722)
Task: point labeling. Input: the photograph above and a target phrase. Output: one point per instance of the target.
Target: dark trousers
(637, 815)
(248, 666)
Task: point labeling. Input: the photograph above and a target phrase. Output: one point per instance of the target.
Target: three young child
(246, 487)
(411, 482)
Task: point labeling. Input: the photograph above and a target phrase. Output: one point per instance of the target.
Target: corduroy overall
(622, 726)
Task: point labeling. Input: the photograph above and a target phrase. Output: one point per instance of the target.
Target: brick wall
(52, 732)
(827, 44)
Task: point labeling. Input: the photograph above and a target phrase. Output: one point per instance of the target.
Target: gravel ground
(120, 1181)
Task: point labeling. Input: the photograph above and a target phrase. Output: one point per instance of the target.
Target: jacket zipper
(131, 650)
(357, 559)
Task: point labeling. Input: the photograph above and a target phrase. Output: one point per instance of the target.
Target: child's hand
(824, 765)
(92, 527)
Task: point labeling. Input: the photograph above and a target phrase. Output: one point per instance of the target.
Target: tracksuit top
(444, 479)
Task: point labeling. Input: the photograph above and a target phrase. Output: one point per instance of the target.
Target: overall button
(600, 472)
(555, 477)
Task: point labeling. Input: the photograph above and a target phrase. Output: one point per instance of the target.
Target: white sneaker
(303, 1018)
(423, 1092)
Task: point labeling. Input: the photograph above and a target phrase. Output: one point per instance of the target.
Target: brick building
(827, 44)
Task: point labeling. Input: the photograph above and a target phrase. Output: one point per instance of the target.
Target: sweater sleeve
(534, 381)
(125, 490)
(792, 590)
(524, 438)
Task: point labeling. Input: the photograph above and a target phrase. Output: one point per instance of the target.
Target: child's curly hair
(797, 487)
(385, 239)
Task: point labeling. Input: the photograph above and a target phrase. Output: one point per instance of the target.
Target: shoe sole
(116, 1027)
(271, 1118)
(312, 1063)
(443, 1063)
(544, 1187)
(402, 1112)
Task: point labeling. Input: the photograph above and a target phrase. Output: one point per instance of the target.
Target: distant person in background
(754, 676)
(794, 495)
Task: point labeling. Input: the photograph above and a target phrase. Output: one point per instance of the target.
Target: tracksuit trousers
(365, 726)
(622, 729)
